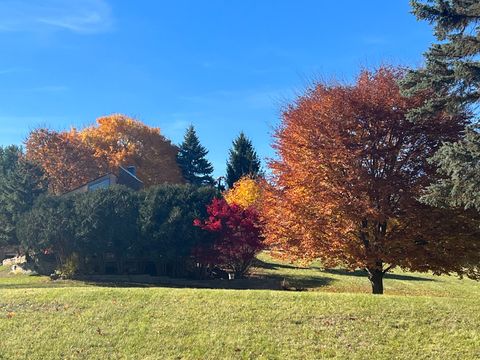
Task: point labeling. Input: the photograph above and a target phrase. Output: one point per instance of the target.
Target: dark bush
(117, 230)
(167, 213)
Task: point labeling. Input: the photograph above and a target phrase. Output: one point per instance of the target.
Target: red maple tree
(237, 237)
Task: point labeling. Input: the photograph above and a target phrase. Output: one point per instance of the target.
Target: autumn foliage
(245, 192)
(72, 158)
(125, 141)
(237, 237)
(349, 172)
(66, 160)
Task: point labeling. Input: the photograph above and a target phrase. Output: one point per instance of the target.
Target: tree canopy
(66, 160)
(123, 141)
(452, 69)
(245, 192)
(349, 171)
(72, 158)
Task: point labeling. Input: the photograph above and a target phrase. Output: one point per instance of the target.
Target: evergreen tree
(459, 165)
(196, 169)
(21, 182)
(452, 71)
(452, 68)
(243, 160)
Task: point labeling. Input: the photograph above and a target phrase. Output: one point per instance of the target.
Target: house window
(99, 185)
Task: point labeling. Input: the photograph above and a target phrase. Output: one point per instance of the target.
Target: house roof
(129, 179)
(129, 173)
(125, 176)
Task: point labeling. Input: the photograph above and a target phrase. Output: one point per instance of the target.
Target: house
(125, 176)
(107, 263)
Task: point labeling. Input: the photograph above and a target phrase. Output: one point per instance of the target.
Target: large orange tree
(66, 160)
(349, 171)
(72, 158)
(126, 141)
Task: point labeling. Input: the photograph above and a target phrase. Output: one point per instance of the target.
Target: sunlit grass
(427, 317)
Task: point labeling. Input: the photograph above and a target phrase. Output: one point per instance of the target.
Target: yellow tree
(245, 192)
(125, 141)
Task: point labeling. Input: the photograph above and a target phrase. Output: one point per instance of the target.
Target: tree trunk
(376, 279)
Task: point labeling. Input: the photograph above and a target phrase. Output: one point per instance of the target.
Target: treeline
(117, 230)
(71, 158)
(378, 174)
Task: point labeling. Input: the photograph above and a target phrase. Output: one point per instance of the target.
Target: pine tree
(243, 160)
(452, 70)
(196, 169)
(21, 182)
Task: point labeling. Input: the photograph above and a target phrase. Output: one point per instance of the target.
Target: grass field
(420, 317)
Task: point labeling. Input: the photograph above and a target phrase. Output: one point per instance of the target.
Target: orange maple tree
(66, 160)
(72, 158)
(349, 171)
(125, 141)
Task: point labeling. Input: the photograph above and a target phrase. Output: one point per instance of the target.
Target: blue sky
(222, 65)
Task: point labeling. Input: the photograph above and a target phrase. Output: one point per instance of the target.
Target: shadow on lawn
(254, 282)
(264, 276)
(257, 280)
(274, 266)
(363, 273)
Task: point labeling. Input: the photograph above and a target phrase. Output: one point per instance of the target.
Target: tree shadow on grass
(363, 273)
(274, 266)
(254, 282)
(257, 280)
(45, 285)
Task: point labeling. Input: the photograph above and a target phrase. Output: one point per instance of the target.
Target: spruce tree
(459, 165)
(452, 71)
(21, 182)
(243, 160)
(451, 68)
(196, 169)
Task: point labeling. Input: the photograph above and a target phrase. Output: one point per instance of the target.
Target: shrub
(237, 237)
(49, 227)
(167, 213)
(69, 268)
(107, 222)
(77, 233)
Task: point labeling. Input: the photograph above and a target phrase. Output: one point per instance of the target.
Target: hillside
(420, 317)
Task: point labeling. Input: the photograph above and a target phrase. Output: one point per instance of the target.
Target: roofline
(88, 182)
(129, 173)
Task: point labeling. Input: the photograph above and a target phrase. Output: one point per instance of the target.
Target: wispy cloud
(79, 16)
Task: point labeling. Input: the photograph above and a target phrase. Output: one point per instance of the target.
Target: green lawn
(421, 317)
